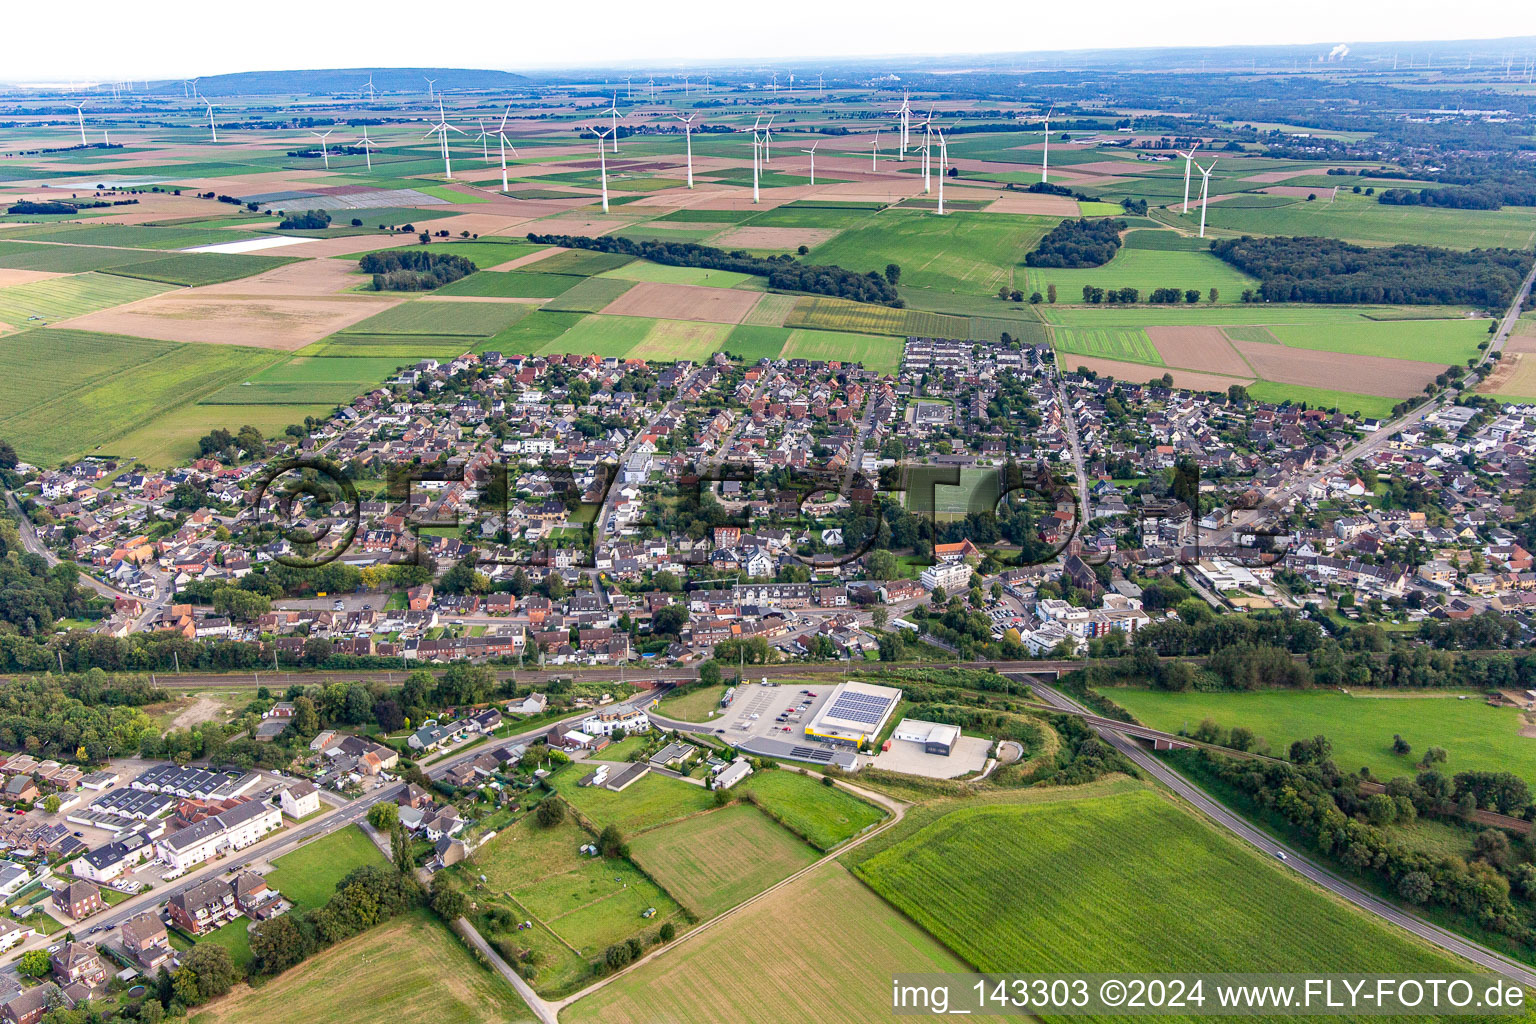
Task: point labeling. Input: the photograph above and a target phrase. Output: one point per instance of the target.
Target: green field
(577, 902)
(651, 801)
(832, 947)
(877, 352)
(305, 379)
(1265, 314)
(63, 298)
(704, 863)
(831, 314)
(1125, 343)
(1362, 219)
(973, 253)
(134, 236)
(644, 270)
(578, 262)
(978, 490)
(589, 295)
(749, 343)
(600, 336)
(69, 259)
(102, 386)
(170, 438)
(1318, 398)
(513, 284)
(692, 705)
(199, 268)
(308, 875)
(1143, 269)
(400, 348)
(673, 340)
(442, 319)
(1155, 889)
(1478, 737)
(824, 815)
(531, 333)
(1430, 341)
(410, 969)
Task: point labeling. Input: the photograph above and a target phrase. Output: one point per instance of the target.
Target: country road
(1433, 934)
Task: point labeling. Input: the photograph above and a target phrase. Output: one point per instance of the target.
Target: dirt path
(203, 709)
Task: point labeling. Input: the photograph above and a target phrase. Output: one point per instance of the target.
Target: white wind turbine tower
(367, 145)
(602, 160)
(755, 125)
(943, 166)
(324, 153)
(501, 137)
(905, 113)
(927, 127)
(1188, 159)
(370, 87)
(213, 131)
(613, 111)
(441, 129)
(80, 112)
(688, 140)
(768, 140)
(484, 138)
(874, 151)
(194, 88)
(430, 82)
(818, 86)
(812, 153)
(1205, 189)
(1045, 149)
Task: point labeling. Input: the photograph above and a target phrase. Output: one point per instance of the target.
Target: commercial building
(936, 737)
(952, 576)
(854, 714)
(232, 830)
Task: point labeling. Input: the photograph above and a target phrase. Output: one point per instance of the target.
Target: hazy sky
(208, 39)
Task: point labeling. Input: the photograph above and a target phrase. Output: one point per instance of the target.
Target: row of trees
(783, 272)
(1326, 270)
(1483, 196)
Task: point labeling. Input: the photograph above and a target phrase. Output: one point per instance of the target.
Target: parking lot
(765, 711)
(969, 755)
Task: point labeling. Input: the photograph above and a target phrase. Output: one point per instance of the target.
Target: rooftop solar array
(851, 706)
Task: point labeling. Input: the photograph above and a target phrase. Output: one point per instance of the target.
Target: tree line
(1077, 244)
(783, 272)
(1326, 270)
(415, 270)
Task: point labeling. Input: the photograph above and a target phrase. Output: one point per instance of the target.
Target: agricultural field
(1514, 376)
(133, 236)
(199, 268)
(973, 253)
(578, 262)
(170, 439)
(63, 298)
(531, 333)
(411, 968)
(1145, 270)
(511, 284)
(102, 387)
(579, 904)
(590, 295)
(831, 314)
(749, 343)
(1379, 406)
(1363, 220)
(703, 860)
(1360, 726)
(833, 975)
(674, 340)
(69, 259)
(305, 380)
(879, 353)
(1157, 889)
(825, 816)
(653, 800)
(1123, 343)
(600, 336)
(1429, 341)
(308, 875)
(442, 319)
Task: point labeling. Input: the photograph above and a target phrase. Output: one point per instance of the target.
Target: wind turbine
(927, 127)
(874, 151)
(943, 167)
(905, 113)
(430, 83)
(613, 111)
(370, 87)
(755, 126)
(367, 146)
(1205, 189)
(1188, 159)
(324, 153)
(602, 161)
(441, 129)
(501, 138)
(1045, 150)
(194, 88)
(80, 112)
(812, 153)
(212, 129)
(818, 86)
(484, 138)
(768, 140)
(688, 140)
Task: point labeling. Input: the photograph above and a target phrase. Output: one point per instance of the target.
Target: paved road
(1437, 936)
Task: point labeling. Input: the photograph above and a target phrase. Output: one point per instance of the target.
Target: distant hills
(346, 80)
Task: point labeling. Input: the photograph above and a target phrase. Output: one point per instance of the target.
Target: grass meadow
(308, 875)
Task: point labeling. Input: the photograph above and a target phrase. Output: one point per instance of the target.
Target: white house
(606, 722)
(235, 829)
(732, 773)
(300, 800)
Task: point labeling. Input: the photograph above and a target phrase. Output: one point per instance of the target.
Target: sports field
(824, 815)
(1145, 270)
(711, 862)
(309, 874)
(411, 968)
(1361, 727)
(959, 252)
(834, 945)
(1155, 889)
